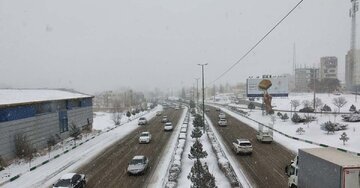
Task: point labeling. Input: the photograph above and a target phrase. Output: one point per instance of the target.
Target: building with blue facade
(40, 114)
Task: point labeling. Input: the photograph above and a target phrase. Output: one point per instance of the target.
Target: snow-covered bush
(344, 137)
(251, 106)
(352, 108)
(2, 163)
(351, 117)
(300, 131)
(297, 119)
(284, 117)
(332, 127)
(200, 176)
(307, 109)
(326, 108)
(223, 161)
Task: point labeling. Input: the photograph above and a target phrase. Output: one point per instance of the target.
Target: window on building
(63, 121)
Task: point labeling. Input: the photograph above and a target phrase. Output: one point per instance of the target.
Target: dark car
(71, 180)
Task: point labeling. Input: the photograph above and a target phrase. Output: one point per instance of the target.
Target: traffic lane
(266, 164)
(109, 168)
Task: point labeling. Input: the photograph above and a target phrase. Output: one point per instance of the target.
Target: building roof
(22, 96)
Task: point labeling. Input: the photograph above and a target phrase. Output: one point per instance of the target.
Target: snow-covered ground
(47, 174)
(313, 132)
(183, 181)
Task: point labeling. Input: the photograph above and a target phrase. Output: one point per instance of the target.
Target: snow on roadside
(49, 173)
(313, 131)
(211, 160)
(228, 159)
(289, 143)
(160, 174)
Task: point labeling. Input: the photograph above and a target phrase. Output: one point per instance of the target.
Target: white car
(222, 116)
(138, 165)
(71, 180)
(158, 113)
(145, 137)
(243, 146)
(142, 121)
(168, 126)
(222, 122)
(264, 137)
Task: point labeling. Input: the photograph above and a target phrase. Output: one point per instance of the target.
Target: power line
(252, 48)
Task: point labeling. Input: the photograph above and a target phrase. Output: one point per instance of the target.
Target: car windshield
(144, 134)
(63, 183)
(142, 118)
(137, 161)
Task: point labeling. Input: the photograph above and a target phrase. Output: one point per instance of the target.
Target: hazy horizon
(92, 46)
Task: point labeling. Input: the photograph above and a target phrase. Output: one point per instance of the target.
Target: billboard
(279, 88)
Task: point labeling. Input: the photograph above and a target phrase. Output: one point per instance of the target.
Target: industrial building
(303, 77)
(328, 67)
(352, 70)
(40, 114)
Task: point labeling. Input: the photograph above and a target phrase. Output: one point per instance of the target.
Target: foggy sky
(91, 45)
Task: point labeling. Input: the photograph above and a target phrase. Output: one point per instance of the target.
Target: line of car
(139, 163)
(240, 145)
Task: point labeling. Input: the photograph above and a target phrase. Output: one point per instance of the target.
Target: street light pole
(197, 91)
(203, 94)
(314, 88)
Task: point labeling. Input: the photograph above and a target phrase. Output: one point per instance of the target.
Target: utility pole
(314, 87)
(203, 94)
(352, 13)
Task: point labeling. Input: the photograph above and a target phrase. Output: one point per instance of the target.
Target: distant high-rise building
(352, 64)
(303, 77)
(328, 67)
(352, 69)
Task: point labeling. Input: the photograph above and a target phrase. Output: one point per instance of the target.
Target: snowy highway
(265, 167)
(109, 168)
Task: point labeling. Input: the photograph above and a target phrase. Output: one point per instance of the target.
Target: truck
(264, 134)
(324, 167)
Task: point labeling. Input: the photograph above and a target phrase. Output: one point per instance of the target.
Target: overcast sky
(94, 45)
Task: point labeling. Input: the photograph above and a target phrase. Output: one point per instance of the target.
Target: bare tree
(339, 102)
(295, 104)
(74, 132)
(306, 103)
(318, 103)
(116, 112)
(23, 147)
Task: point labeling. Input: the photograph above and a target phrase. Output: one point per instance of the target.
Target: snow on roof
(335, 156)
(67, 176)
(19, 96)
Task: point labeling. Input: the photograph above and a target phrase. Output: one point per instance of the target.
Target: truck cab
(291, 171)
